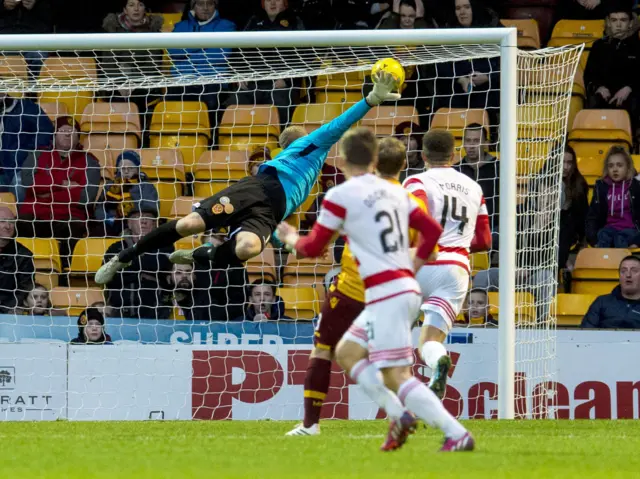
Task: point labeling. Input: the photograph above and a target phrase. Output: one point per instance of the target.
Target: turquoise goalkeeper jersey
(299, 165)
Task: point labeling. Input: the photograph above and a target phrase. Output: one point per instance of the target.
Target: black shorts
(255, 203)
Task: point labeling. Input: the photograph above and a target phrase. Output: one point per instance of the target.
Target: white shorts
(444, 288)
(384, 329)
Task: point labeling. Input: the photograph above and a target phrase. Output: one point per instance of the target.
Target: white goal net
(100, 146)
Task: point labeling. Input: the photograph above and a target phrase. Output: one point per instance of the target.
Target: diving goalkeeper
(253, 207)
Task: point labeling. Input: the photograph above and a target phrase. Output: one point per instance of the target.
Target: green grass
(518, 449)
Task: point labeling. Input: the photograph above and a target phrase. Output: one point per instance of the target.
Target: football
(390, 65)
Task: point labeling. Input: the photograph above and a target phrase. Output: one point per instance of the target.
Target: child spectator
(263, 305)
(16, 265)
(129, 188)
(37, 302)
(478, 311)
(613, 219)
(91, 328)
(574, 204)
(60, 185)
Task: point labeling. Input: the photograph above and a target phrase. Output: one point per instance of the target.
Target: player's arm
(314, 244)
(414, 186)
(329, 134)
(430, 231)
(482, 237)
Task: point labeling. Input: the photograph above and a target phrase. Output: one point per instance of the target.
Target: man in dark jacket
(139, 290)
(16, 265)
(610, 75)
(621, 308)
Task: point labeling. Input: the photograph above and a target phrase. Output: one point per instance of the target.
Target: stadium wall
(247, 371)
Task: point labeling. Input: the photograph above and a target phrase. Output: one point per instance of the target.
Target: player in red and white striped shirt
(456, 201)
(375, 215)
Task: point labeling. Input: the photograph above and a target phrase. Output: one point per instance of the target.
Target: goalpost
(535, 91)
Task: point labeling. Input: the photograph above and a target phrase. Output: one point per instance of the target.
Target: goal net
(161, 128)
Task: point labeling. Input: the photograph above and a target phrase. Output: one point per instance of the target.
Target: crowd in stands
(60, 191)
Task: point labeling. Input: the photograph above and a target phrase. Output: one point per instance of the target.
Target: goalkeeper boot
(300, 430)
(108, 270)
(399, 430)
(202, 254)
(465, 443)
(438, 383)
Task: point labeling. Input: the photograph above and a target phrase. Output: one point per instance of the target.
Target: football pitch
(515, 449)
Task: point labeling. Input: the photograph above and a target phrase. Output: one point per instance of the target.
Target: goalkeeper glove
(383, 84)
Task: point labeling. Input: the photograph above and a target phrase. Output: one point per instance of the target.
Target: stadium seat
(528, 32)
(300, 303)
(595, 131)
(312, 116)
(543, 11)
(340, 88)
(479, 262)
(103, 118)
(525, 307)
(54, 109)
(75, 101)
(383, 120)
(571, 308)
(183, 206)
(9, 200)
(305, 271)
(170, 20)
(189, 242)
(263, 265)
(46, 260)
(13, 66)
(87, 258)
(117, 142)
(249, 126)
(572, 32)
(190, 146)
(596, 270)
(217, 169)
(107, 163)
(540, 120)
(183, 117)
(456, 119)
(532, 154)
(165, 170)
(72, 301)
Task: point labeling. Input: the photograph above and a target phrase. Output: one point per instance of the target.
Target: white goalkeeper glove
(383, 84)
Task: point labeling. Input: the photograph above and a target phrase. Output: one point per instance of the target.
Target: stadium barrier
(248, 371)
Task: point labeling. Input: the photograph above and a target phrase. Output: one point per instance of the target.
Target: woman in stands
(574, 204)
(613, 220)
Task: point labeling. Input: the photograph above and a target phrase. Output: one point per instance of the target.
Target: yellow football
(390, 65)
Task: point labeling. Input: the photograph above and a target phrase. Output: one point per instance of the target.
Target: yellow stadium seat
(183, 117)
(72, 301)
(54, 110)
(46, 254)
(528, 32)
(107, 162)
(525, 307)
(249, 126)
(183, 206)
(383, 120)
(456, 119)
(221, 165)
(572, 32)
(479, 261)
(9, 200)
(590, 168)
(578, 96)
(596, 270)
(540, 120)
(571, 308)
(170, 20)
(13, 66)
(48, 280)
(87, 259)
(300, 303)
(75, 101)
(191, 147)
(312, 116)
(117, 142)
(68, 68)
(532, 155)
(167, 193)
(314, 267)
(595, 131)
(103, 118)
(210, 188)
(263, 265)
(340, 88)
(162, 164)
(189, 242)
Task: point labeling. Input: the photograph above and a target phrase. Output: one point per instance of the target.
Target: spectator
(264, 305)
(127, 191)
(619, 309)
(471, 14)
(37, 302)
(130, 64)
(484, 168)
(202, 62)
(91, 328)
(407, 15)
(16, 266)
(613, 219)
(478, 310)
(411, 135)
(60, 186)
(189, 298)
(574, 204)
(137, 291)
(27, 17)
(284, 93)
(24, 128)
(316, 14)
(610, 74)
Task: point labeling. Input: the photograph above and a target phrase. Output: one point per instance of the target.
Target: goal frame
(505, 38)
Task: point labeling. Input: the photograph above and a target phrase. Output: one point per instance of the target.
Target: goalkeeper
(253, 207)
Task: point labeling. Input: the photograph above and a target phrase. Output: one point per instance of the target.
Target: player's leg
(337, 314)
